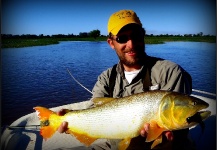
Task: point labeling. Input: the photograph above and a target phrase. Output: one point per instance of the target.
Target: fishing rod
(37, 127)
(204, 92)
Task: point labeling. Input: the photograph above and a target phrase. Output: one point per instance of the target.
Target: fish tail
(48, 125)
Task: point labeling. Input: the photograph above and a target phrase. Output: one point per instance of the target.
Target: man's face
(129, 45)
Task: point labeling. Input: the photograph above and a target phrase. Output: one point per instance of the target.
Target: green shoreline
(19, 42)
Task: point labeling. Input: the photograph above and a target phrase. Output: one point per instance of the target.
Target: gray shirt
(162, 75)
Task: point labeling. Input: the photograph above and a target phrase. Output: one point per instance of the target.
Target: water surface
(38, 75)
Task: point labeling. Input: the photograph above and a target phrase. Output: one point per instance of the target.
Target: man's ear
(110, 42)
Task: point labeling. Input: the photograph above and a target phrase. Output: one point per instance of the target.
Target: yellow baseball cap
(121, 18)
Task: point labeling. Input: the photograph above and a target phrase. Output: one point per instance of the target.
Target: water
(38, 75)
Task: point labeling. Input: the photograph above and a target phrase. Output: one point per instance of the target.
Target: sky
(49, 17)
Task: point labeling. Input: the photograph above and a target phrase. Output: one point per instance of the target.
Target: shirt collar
(120, 68)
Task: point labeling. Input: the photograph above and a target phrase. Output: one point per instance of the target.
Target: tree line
(94, 34)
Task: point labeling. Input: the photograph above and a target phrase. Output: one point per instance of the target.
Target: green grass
(15, 43)
(161, 40)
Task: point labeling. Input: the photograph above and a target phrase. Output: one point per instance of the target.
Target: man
(137, 72)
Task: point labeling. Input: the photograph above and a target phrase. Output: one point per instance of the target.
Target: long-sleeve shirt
(162, 75)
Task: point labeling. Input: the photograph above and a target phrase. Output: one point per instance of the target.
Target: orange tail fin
(48, 121)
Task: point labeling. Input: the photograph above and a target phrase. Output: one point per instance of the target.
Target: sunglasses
(138, 37)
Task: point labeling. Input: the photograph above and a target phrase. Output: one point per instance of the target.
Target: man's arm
(171, 77)
(181, 82)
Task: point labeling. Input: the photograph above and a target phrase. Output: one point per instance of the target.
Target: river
(38, 75)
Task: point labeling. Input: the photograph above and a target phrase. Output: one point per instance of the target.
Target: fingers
(144, 131)
(146, 128)
(62, 112)
(63, 127)
(169, 135)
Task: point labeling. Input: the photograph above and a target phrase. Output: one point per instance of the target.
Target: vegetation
(9, 40)
(160, 39)
(94, 34)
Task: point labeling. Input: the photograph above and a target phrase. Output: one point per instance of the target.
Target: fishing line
(78, 81)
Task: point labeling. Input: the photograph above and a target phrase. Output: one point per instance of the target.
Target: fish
(123, 118)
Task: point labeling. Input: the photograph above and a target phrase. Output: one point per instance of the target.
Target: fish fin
(98, 101)
(157, 141)
(47, 128)
(43, 113)
(124, 144)
(154, 131)
(47, 132)
(85, 139)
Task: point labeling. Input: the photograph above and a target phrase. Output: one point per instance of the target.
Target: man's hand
(144, 132)
(64, 126)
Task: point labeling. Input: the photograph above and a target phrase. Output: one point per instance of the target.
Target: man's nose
(130, 43)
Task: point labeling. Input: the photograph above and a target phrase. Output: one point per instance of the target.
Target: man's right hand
(146, 128)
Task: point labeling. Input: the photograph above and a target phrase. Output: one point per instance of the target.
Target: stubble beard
(137, 60)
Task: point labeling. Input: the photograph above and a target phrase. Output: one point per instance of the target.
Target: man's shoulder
(164, 65)
(106, 72)
(167, 63)
(159, 62)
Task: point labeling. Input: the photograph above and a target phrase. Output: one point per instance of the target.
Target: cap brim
(120, 26)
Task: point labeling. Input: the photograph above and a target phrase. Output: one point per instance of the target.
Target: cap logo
(124, 15)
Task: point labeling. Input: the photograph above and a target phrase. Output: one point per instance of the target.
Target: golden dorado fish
(123, 118)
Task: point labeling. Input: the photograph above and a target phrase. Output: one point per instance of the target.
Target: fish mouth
(199, 117)
(204, 114)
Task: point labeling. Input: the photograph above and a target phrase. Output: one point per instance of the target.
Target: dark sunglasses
(138, 37)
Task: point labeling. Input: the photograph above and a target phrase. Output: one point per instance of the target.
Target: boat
(24, 133)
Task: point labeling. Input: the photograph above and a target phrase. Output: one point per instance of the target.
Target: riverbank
(22, 42)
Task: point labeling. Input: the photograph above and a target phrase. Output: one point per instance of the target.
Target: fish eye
(188, 120)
